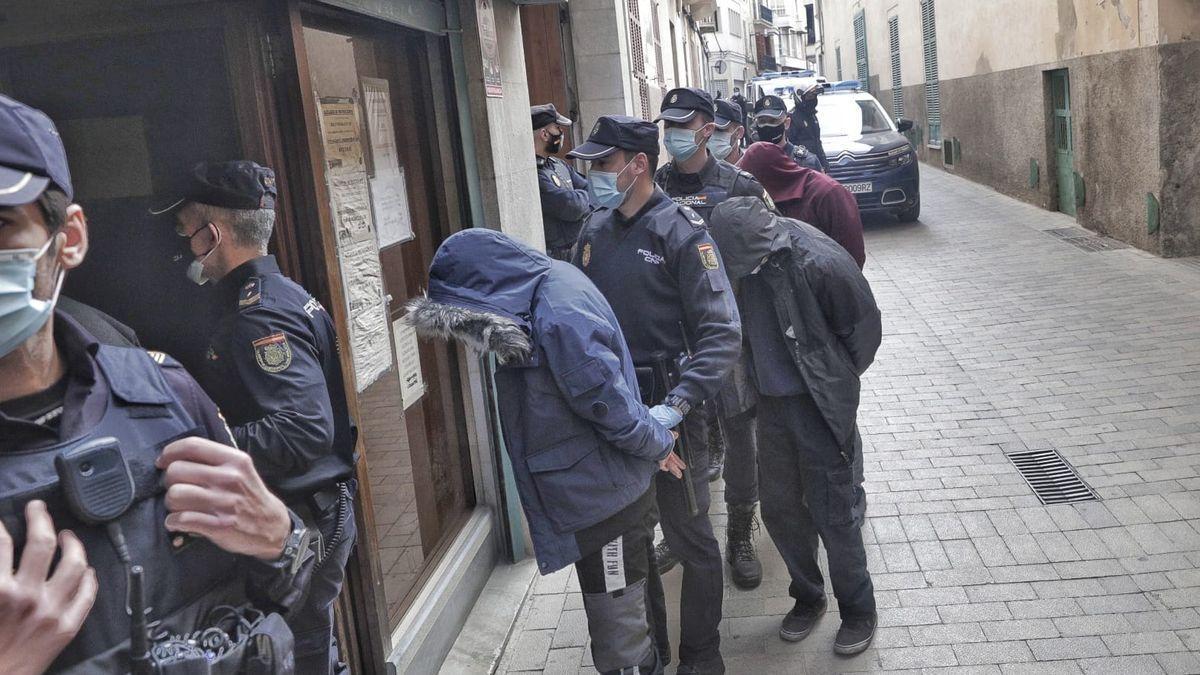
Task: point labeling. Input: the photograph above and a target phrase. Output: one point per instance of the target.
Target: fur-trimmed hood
(482, 286)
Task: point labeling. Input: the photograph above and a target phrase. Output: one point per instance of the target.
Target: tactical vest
(185, 577)
(709, 197)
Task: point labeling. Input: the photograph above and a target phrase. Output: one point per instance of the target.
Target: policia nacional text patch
(273, 353)
(708, 256)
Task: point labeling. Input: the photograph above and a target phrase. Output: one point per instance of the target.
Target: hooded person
(811, 196)
(583, 446)
(810, 328)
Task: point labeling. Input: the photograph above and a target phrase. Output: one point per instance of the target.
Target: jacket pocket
(842, 502)
(574, 483)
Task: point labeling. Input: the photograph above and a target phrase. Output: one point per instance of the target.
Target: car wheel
(909, 215)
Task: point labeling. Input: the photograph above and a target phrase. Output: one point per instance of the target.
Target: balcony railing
(766, 15)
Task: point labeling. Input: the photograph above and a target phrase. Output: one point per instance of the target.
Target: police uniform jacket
(806, 130)
(144, 400)
(272, 367)
(583, 447)
(663, 276)
(565, 202)
(802, 157)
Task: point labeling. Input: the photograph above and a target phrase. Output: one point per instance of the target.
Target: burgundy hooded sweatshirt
(807, 195)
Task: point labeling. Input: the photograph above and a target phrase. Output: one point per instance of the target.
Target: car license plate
(859, 188)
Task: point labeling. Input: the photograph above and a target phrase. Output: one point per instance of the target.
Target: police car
(868, 152)
(784, 84)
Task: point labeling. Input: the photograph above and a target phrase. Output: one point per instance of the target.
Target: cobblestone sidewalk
(998, 338)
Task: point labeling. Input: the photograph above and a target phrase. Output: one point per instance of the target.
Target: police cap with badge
(682, 104)
(32, 157)
(546, 114)
(770, 109)
(240, 184)
(618, 132)
(729, 114)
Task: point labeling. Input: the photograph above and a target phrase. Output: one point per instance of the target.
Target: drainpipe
(466, 128)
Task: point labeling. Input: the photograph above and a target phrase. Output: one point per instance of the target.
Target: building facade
(1079, 106)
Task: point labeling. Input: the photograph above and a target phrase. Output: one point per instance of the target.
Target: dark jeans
(809, 490)
(312, 621)
(741, 458)
(692, 540)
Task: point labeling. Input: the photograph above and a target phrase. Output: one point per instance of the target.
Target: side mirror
(904, 125)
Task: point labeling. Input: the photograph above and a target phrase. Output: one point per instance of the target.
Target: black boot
(739, 546)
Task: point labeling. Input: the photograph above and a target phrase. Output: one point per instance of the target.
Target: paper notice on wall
(408, 361)
(389, 200)
(358, 250)
(377, 106)
(389, 190)
(489, 48)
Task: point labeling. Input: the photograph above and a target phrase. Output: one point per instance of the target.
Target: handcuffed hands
(214, 491)
(40, 613)
(666, 415)
(673, 464)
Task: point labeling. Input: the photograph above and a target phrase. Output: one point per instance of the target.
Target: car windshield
(842, 115)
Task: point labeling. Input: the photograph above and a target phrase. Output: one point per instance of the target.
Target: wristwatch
(679, 403)
(296, 546)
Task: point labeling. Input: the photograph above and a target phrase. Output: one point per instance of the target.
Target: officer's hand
(39, 616)
(214, 491)
(673, 464)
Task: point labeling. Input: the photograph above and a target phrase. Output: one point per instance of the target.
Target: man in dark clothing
(805, 128)
(695, 178)
(565, 201)
(771, 125)
(654, 262)
(811, 329)
(272, 366)
(808, 195)
(583, 446)
(744, 106)
(73, 409)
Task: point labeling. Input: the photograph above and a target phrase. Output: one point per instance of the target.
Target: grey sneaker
(855, 635)
(801, 620)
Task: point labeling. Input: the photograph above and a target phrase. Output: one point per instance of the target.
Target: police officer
(744, 107)
(805, 127)
(62, 393)
(565, 201)
(272, 367)
(771, 125)
(696, 178)
(727, 142)
(656, 265)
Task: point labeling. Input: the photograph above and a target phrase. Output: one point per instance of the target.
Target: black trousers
(741, 457)
(692, 539)
(312, 621)
(811, 492)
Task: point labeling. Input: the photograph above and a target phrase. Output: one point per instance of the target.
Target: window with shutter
(637, 57)
(894, 44)
(860, 50)
(933, 91)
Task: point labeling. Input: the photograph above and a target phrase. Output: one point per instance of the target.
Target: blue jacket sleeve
(591, 377)
(296, 423)
(566, 202)
(711, 315)
(577, 179)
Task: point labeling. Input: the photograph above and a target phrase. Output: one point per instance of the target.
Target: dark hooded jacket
(824, 304)
(582, 445)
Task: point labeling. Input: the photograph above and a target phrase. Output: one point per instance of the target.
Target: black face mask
(554, 144)
(770, 134)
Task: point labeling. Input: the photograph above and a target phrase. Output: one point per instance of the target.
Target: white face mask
(22, 315)
(195, 270)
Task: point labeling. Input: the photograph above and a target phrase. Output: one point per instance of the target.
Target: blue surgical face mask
(721, 144)
(22, 315)
(603, 187)
(681, 143)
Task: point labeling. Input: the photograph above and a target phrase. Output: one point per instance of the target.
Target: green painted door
(1064, 150)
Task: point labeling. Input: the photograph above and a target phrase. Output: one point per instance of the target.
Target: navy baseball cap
(32, 156)
(240, 184)
(547, 114)
(680, 105)
(770, 106)
(613, 132)
(728, 114)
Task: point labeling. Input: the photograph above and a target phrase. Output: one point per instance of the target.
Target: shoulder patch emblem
(586, 258)
(556, 180)
(251, 293)
(272, 353)
(708, 256)
(766, 197)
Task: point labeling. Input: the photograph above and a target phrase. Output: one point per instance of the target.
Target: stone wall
(1180, 194)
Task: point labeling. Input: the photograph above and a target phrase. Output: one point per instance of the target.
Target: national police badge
(587, 254)
(708, 257)
(273, 353)
(674, 98)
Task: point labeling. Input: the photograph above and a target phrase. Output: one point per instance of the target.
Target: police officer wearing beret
(656, 265)
(144, 435)
(565, 200)
(772, 125)
(272, 367)
(696, 178)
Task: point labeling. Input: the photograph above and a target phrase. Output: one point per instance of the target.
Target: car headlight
(902, 159)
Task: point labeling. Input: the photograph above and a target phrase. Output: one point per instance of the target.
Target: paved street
(999, 338)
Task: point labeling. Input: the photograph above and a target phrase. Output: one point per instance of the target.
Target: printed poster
(490, 47)
(389, 188)
(408, 361)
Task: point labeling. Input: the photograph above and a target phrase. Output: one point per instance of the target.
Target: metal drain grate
(1053, 480)
(1084, 240)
